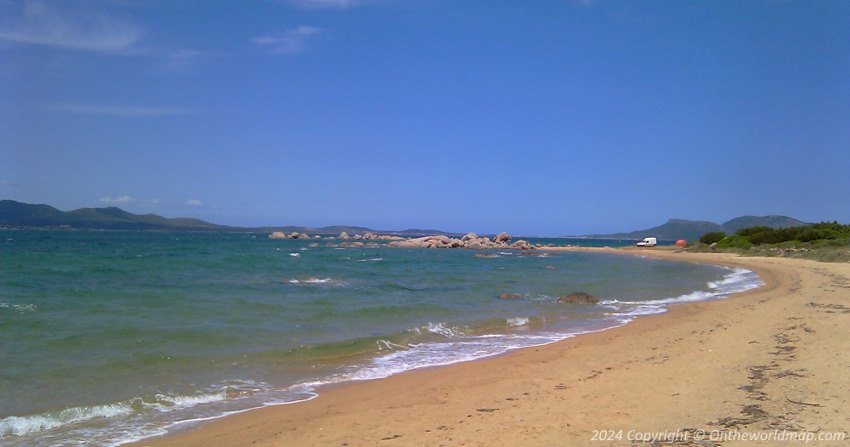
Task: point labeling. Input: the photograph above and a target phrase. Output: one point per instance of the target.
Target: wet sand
(771, 363)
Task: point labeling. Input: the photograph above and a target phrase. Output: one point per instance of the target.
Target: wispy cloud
(194, 202)
(324, 4)
(121, 111)
(40, 24)
(116, 200)
(293, 41)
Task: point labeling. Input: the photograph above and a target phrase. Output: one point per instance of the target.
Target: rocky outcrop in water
(293, 235)
(470, 241)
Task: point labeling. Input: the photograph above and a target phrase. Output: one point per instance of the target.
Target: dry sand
(773, 362)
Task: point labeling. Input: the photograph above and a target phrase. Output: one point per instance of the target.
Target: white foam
(314, 280)
(24, 425)
(737, 280)
(386, 345)
(20, 308)
(295, 255)
(517, 321)
(442, 329)
(191, 401)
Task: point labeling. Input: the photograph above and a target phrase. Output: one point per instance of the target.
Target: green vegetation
(735, 241)
(808, 233)
(825, 241)
(712, 237)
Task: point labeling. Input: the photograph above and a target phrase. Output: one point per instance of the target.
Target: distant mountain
(672, 230)
(676, 229)
(18, 214)
(756, 221)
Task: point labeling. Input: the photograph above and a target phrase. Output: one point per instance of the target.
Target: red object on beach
(681, 242)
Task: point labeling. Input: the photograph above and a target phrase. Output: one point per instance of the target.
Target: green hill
(692, 229)
(737, 223)
(17, 214)
(672, 230)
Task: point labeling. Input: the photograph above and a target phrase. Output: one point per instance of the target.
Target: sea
(108, 337)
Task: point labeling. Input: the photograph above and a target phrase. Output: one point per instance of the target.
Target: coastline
(768, 359)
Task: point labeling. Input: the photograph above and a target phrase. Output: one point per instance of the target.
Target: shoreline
(698, 367)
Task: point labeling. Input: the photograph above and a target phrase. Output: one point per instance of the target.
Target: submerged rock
(509, 296)
(579, 298)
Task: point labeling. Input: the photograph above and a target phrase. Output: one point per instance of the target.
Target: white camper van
(647, 242)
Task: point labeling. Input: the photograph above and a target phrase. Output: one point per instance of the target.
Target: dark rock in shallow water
(579, 298)
(487, 255)
(510, 296)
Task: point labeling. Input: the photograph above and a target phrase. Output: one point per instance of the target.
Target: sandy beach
(765, 367)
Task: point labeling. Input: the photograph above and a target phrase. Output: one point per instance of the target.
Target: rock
(390, 238)
(487, 255)
(277, 235)
(470, 241)
(343, 235)
(579, 298)
(443, 239)
(509, 296)
(502, 238)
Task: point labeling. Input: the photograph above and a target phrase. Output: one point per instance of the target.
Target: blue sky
(541, 118)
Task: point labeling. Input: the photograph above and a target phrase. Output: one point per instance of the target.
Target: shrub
(735, 241)
(712, 237)
(749, 231)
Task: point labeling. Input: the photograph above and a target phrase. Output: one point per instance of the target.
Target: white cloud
(116, 200)
(194, 202)
(293, 41)
(123, 111)
(42, 25)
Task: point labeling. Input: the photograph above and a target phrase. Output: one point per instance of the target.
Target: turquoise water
(108, 337)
